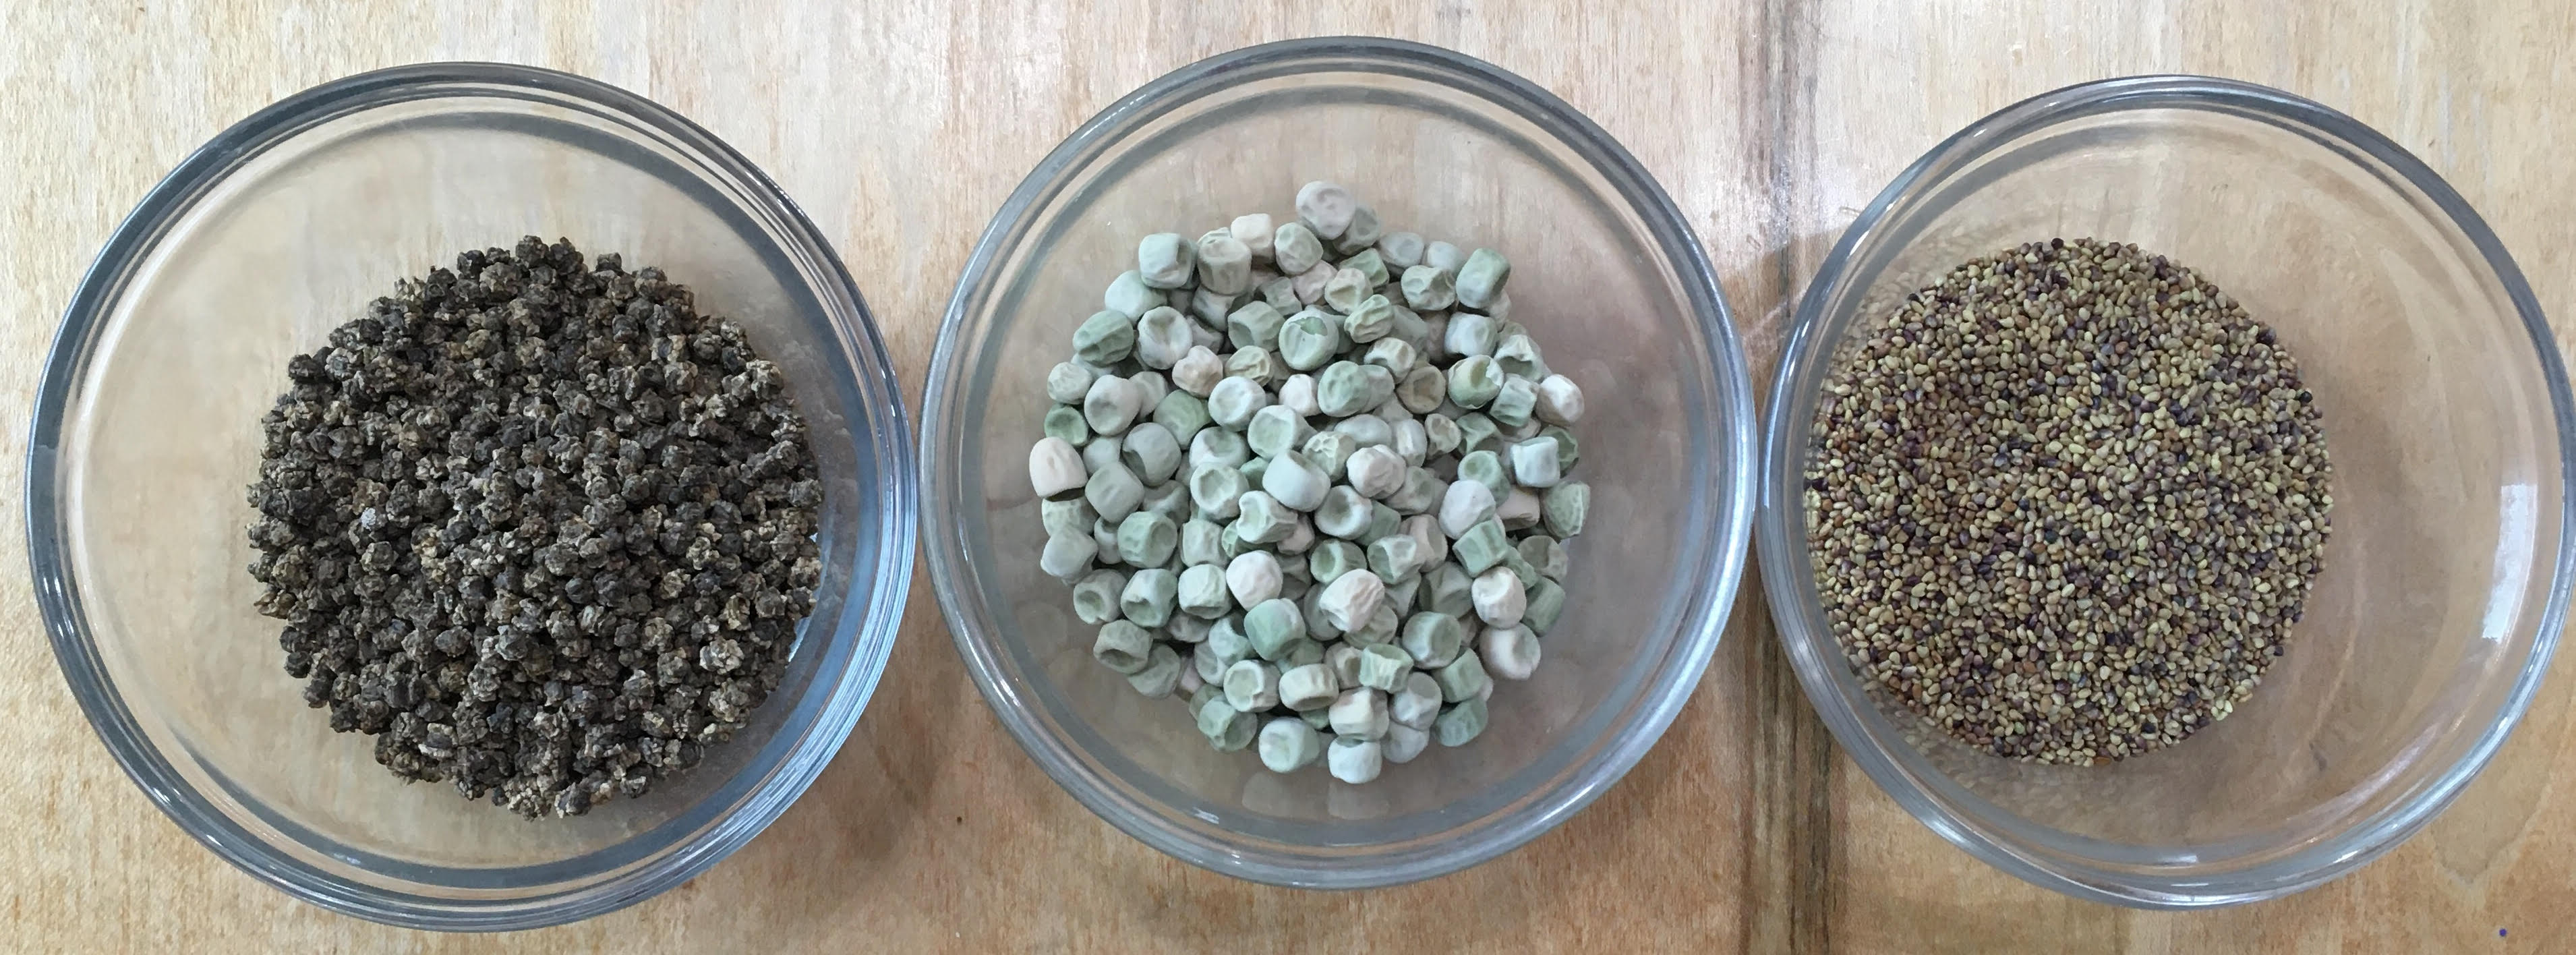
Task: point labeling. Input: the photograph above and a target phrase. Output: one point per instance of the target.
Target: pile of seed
(2066, 502)
(1312, 480)
(539, 526)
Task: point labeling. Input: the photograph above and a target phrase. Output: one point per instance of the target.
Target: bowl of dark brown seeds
(470, 497)
(2166, 492)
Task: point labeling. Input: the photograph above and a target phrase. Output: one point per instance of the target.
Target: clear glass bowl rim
(1782, 506)
(1544, 809)
(893, 508)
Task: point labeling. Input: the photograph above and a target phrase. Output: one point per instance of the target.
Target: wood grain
(901, 124)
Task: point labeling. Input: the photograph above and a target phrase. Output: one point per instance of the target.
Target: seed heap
(2066, 502)
(545, 531)
(1364, 526)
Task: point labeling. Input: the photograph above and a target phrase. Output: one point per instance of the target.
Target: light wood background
(901, 124)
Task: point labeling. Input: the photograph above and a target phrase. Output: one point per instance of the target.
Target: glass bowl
(2447, 415)
(146, 436)
(1610, 281)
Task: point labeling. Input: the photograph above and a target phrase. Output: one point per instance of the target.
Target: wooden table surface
(901, 124)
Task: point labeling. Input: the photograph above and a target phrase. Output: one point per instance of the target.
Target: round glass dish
(146, 437)
(2447, 415)
(1613, 285)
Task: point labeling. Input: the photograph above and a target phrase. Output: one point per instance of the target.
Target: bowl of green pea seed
(2165, 492)
(1338, 460)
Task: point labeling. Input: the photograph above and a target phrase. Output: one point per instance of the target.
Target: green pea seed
(1147, 540)
(1368, 319)
(1362, 232)
(1544, 553)
(1309, 340)
(1295, 248)
(1474, 382)
(1369, 430)
(1331, 450)
(1370, 265)
(1333, 558)
(1067, 383)
(1104, 339)
(1302, 651)
(1518, 355)
(1567, 452)
(1122, 646)
(1165, 260)
(1440, 430)
(1384, 667)
(1381, 627)
(1428, 288)
(1256, 365)
(1182, 414)
(1276, 430)
(1234, 400)
(1513, 402)
(1281, 293)
(1565, 506)
(1384, 522)
(1308, 686)
(1401, 250)
(1486, 468)
(1095, 596)
(1421, 491)
(1149, 596)
(1252, 686)
(1288, 744)
(1224, 263)
(1395, 355)
(1460, 724)
(1477, 433)
(1217, 446)
(1113, 491)
(1394, 557)
(1228, 729)
(1162, 673)
(1129, 295)
(1433, 639)
(1104, 541)
(1546, 603)
(1342, 389)
(1199, 540)
(1255, 325)
(1271, 625)
(1400, 597)
(1208, 308)
(1463, 678)
(1452, 590)
(1065, 421)
(1344, 513)
(1071, 514)
(1264, 520)
(1226, 642)
(1162, 337)
(1188, 629)
(1422, 391)
(1150, 450)
(1482, 546)
(1480, 281)
(1345, 291)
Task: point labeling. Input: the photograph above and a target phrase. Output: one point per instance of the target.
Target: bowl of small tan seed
(2165, 492)
(469, 497)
